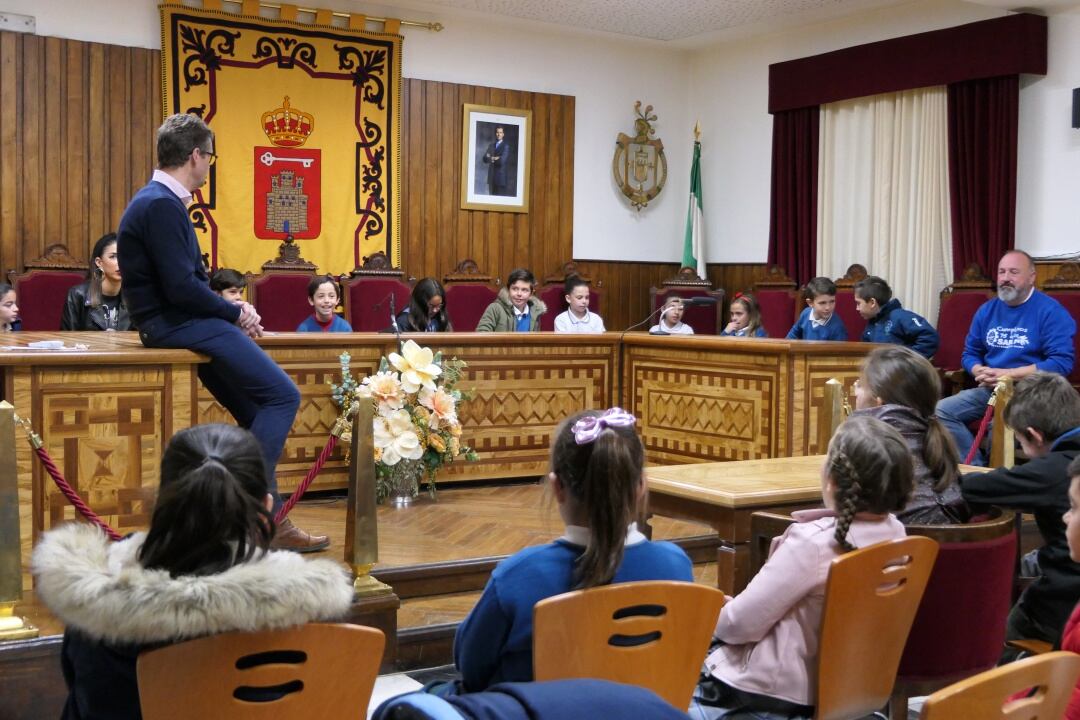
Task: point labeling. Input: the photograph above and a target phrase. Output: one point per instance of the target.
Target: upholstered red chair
(779, 300)
(280, 297)
(960, 626)
(553, 294)
(845, 302)
(959, 302)
(375, 294)
(469, 291)
(705, 319)
(42, 290)
(1065, 288)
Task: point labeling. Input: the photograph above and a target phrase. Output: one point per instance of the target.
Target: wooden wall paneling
(74, 216)
(433, 189)
(540, 204)
(466, 245)
(97, 147)
(454, 246)
(52, 195)
(566, 180)
(413, 174)
(117, 84)
(31, 173)
(10, 149)
(502, 260)
(406, 163)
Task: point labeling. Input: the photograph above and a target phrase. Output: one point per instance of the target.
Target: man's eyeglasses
(211, 155)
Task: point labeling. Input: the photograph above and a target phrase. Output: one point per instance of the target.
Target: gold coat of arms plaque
(640, 166)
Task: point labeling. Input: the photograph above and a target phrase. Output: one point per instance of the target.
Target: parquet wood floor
(464, 523)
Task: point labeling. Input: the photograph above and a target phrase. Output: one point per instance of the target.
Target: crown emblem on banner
(287, 127)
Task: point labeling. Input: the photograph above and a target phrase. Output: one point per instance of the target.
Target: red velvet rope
(980, 435)
(331, 443)
(72, 496)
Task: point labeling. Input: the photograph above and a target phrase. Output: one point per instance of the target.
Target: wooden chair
(42, 290)
(469, 291)
(653, 634)
(706, 320)
(314, 671)
(959, 302)
(1065, 288)
(778, 297)
(987, 695)
(845, 301)
(871, 598)
(553, 293)
(279, 292)
(375, 286)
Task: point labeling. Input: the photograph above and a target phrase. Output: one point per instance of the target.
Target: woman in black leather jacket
(96, 304)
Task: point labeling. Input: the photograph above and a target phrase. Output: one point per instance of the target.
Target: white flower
(416, 367)
(396, 437)
(442, 406)
(385, 388)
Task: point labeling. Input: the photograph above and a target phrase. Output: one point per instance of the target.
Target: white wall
(605, 74)
(726, 87)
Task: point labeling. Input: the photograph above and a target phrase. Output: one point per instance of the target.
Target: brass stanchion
(361, 522)
(1003, 441)
(834, 409)
(12, 627)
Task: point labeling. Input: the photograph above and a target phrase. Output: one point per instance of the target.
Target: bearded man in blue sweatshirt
(1018, 332)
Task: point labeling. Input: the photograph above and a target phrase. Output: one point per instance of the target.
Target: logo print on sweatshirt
(1002, 337)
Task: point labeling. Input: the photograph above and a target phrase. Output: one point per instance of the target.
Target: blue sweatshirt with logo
(1037, 332)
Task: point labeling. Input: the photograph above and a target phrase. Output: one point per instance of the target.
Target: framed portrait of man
(495, 158)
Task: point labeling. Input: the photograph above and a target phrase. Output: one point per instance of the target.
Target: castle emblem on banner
(288, 178)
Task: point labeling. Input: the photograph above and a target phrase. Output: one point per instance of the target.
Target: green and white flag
(693, 245)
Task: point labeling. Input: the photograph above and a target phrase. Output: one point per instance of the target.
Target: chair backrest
(960, 625)
(653, 634)
(987, 695)
(280, 297)
(705, 319)
(553, 294)
(1065, 288)
(780, 302)
(956, 310)
(469, 290)
(871, 597)
(41, 295)
(313, 671)
(368, 302)
(845, 302)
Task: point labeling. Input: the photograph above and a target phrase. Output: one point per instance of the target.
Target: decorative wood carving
(854, 274)
(687, 277)
(566, 270)
(56, 257)
(776, 278)
(377, 265)
(971, 279)
(467, 271)
(1067, 278)
(289, 258)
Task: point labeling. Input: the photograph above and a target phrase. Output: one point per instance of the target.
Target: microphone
(393, 313)
(700, 300)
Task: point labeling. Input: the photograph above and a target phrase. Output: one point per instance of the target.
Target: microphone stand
(622, 349)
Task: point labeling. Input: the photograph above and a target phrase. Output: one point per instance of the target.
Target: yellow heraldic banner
(306, 120)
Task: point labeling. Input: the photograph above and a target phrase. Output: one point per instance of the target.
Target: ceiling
(684, 21)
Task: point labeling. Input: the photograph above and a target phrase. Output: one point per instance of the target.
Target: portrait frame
(490, 180)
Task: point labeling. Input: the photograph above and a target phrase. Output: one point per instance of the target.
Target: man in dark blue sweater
(1018, 332)
(167, 293)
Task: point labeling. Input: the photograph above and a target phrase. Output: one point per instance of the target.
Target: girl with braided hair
(764, 665)
(597, 463)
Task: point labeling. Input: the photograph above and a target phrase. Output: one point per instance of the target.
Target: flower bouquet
(416, 429)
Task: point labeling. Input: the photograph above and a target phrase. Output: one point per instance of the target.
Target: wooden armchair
(313, 671)
(651, 634)
(375, 294)
(871, 597)
(845, 301)
(987, 695)
(469, 291)
(959, 302)
(706, 320)
(1065, 288)
(42, 289)
(279, 292)
(553, 293)
(778, 297)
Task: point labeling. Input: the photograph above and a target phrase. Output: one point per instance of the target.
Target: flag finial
(697, 131)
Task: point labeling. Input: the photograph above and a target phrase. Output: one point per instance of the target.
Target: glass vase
(405, 482)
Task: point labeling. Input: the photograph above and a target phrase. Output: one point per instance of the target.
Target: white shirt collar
(519, 313)
(578, 535)
(584, 321)
(173, 184)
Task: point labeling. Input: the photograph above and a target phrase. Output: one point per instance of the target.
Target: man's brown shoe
(290, 537)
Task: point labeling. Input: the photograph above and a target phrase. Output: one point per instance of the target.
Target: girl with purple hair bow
(596, 476)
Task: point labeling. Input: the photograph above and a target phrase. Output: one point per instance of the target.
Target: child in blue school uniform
(888, 322)
(819, 320)
(323, 296)
(597, 463)
(745, 318)
(9, 310)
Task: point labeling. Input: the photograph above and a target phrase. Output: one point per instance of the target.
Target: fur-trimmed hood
(100, 588)
(537, 307)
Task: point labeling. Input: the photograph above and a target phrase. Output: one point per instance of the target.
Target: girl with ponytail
(768, 635)
(901, 388)
(204, 567)
(596, 477)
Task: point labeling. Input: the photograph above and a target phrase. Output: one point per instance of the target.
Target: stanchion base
(365, 585)
(14, 627)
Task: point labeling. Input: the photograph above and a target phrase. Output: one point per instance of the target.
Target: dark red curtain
(982, 169)
(793, 225)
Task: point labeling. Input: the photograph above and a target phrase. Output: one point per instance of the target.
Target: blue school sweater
(1039, 331)
(338, 324)
(494, 643)
(893, 324)
(804, 328)
(742, 332)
